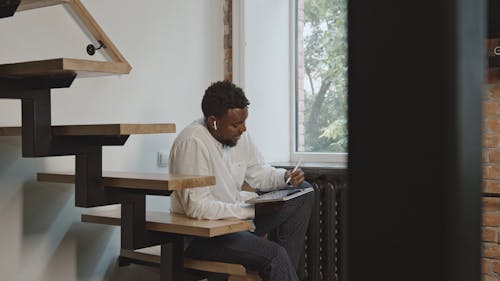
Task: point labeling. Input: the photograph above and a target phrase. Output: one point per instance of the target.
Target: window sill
(315, 167)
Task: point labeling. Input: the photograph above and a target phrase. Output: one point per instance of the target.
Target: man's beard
(229, 143)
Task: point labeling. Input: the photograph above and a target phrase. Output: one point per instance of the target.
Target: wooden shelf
(100, 130)
(143, 181)
(171, 223)
(35, 4)
(10, 131)
(51, 67)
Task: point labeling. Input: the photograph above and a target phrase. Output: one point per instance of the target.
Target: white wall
(266, 74)
(175, 49)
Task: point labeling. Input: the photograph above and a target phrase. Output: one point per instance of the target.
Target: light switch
(163, 158)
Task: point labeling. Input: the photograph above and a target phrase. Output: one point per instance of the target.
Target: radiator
(322, 260)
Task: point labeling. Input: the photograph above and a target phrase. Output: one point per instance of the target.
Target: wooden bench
(179, 224)
(170, 223)
(151, 255)
(162, 221)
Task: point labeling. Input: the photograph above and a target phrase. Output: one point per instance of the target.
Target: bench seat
(179, 224)
(151, 255)
(170, 222)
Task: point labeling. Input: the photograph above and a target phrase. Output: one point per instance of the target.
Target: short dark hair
(220, 97)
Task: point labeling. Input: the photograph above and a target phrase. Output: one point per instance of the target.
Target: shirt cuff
(248, 211)
(280, 173)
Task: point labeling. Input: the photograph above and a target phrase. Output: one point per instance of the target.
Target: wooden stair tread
(35, 4)
(49, 68)
(143, 181)
(171, 223)
(113, 129)
(152, 255)
(100, 129)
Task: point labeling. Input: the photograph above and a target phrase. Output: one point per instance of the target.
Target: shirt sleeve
(261, 175)
(191, 157)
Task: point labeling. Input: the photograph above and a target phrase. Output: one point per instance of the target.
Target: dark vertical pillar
(416, 73)
(89, 191)
(133, 221)
(36, 120)
(172, 260)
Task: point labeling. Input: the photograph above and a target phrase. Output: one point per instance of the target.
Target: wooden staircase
(31, 82)
(117, 63)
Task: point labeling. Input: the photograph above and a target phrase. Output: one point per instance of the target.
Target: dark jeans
(273, 260)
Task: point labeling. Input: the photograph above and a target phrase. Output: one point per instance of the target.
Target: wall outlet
(162, 158)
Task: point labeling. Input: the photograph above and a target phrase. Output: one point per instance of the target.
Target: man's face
(231, 125)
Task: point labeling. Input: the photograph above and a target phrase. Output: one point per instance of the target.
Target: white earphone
(215, 125)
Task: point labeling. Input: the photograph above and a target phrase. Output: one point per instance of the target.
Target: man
(218, 145)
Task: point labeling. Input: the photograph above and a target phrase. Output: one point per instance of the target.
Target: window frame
(329, 157)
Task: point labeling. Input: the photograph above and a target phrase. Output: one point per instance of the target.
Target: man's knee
(281, 254)
(278, 261)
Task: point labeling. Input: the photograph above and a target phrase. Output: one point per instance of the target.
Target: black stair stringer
(36, 123)
(133, 221)
(37, 138)
(38, 141)
(8, 7)
(36, 131)
(91, 192)
(134, 235)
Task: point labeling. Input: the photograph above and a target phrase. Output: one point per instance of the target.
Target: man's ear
(212, 122)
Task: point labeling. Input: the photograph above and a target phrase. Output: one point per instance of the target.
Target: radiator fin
(320, 261)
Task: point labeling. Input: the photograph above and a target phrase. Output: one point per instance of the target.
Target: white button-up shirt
(196, 152)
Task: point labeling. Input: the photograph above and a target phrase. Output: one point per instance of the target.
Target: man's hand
(297, 177)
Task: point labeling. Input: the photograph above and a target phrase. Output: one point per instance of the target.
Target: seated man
(218, 145)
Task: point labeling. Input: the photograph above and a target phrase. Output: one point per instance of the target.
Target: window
(320, 80)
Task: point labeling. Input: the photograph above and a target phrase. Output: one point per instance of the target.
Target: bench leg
(172, 262)
(172, 255)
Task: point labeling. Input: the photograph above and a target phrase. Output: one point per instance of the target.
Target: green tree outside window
(324, 74)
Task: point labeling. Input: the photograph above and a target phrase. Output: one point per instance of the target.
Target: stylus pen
(294, 169)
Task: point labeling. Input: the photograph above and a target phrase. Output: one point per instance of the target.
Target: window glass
(321, 76)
